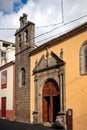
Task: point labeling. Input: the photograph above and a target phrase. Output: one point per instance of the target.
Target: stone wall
(23, 91)
(24, 45)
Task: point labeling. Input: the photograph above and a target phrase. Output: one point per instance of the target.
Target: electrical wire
(67, 23)
(51, 24)
(62, 13)
(45, 25)
(58, 27)
(64, 24)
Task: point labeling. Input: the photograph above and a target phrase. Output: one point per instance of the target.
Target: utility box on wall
(69, 119)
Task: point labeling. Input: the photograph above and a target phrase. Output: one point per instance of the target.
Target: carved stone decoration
(53, 61)
(51, 72)
(61, 53)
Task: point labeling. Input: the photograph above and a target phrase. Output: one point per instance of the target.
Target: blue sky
(18, 5)
(42, 13)
(24, 1)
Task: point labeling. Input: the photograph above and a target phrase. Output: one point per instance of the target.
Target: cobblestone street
(12, 125)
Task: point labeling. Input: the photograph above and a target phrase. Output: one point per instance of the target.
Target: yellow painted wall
(76, 85)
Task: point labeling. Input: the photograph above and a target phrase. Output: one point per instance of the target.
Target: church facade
(51, 79)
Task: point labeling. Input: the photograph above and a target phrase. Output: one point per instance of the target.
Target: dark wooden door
(49, 92)
(46, 104)
(3, 107)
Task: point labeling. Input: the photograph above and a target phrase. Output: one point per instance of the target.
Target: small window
(23, 76)
(19, 40)
(3, 54)
(26, 35)
(5, 44)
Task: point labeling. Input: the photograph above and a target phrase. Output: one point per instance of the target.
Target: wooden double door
(51, 102)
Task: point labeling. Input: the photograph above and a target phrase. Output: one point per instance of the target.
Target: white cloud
(41, 12)
(8, 5)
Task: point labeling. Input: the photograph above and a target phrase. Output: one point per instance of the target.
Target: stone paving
(13, 125)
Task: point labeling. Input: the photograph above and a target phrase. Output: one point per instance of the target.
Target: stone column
(61, 94)
(62, 112)
(60, 86)
(35, 112)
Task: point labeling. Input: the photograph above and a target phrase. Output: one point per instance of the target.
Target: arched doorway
(51, 101)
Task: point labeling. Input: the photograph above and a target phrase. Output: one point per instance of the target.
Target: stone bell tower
(24, 38)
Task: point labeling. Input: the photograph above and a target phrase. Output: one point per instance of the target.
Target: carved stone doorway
(51, 101)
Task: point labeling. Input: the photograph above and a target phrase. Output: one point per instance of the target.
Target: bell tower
(25, 34)
(24, 38)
